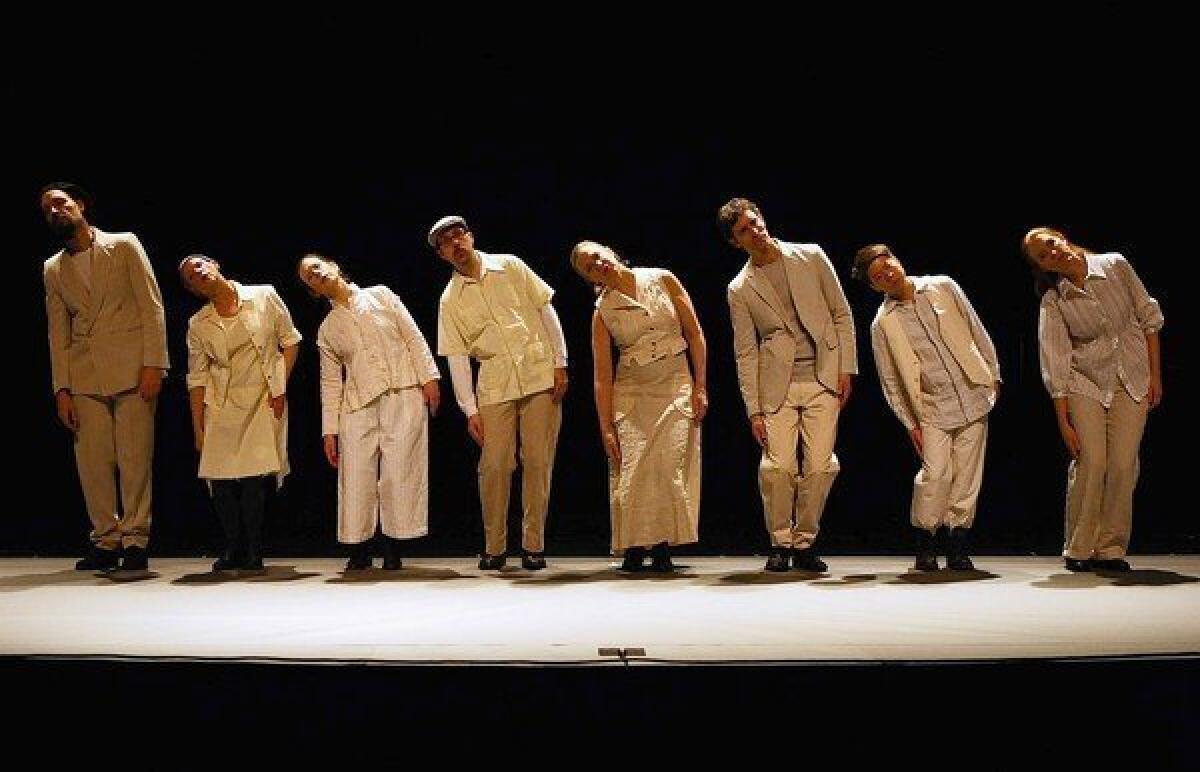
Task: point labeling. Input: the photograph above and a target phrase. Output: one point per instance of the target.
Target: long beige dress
(654, 493)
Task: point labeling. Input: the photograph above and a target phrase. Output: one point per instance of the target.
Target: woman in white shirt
(241, 348)
(651, 408)
(1098, 338)
(379, 385)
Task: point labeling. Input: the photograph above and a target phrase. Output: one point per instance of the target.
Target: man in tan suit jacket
(793, 335)
(108, 356)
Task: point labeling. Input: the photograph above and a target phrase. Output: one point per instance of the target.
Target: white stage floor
(443, 610)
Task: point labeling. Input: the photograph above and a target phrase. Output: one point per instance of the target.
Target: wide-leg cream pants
(116, 437)
(946, 489)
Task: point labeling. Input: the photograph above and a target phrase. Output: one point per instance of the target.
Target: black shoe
(1117, 565)
(926, 552)
(359, 562)
(778, 560)
(808, 560)
(98, 559)
(635, 557)
(391, 554)
(134, 559)
(660, 561)
(956, 550)
(533, 561)
(253, 564)
(491, 562)
(227, 562)
(1076, 565)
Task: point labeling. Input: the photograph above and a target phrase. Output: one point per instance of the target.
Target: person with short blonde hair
(379, 385)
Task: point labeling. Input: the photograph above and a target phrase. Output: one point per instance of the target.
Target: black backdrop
(947, 151)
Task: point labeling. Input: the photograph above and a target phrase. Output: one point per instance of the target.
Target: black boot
(926, 552)
(533, 561)
(360, 557)
(808, 560)
(98, 559)
(391, 554)
(778, 560)
(134, 559)
(660, 559)
(956, 550)
(634, 558)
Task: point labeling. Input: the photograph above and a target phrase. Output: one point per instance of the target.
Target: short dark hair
(728, 215)
(76, 192)
(863, 259)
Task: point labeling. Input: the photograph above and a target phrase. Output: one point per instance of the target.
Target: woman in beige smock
(241, 348)
(650, 411)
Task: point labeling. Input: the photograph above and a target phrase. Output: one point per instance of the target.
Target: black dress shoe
(808, 560)
(660, 559)
(777, 561)
(253, 564)
(491, 562)
(1118, 565)
(98, 559)
(1076, 565)
(634, 559)
(956, 551)
(227, 562)
(359, 562)
(533, 561)
(926, 552)
(134, 559)
(391, 554)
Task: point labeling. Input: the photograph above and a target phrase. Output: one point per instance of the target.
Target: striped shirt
(1094, 338)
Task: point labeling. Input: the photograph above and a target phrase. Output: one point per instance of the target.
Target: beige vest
(956, 333)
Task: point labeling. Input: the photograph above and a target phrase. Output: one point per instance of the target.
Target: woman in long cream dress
(651, 407)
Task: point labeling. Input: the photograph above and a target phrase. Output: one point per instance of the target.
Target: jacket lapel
(759, 282)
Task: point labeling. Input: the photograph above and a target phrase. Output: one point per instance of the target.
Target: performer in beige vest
(940, 376)
(379, 385)
(241, 348)
(651, 410)
(793, 336)
(497, 311)
(1098, 337)
(108, 356)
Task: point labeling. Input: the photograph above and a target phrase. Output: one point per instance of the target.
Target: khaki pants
(536, 418)
(946, 488)
(383, 472)
(1100, 482)
(116, 436)
(794, 488)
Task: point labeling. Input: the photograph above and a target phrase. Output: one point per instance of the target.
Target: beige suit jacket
(101, 337)
(764, 343)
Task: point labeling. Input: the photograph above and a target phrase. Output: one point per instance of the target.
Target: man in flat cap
(496, 310)
(108, 356)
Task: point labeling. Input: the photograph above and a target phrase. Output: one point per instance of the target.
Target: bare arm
(697, 346)
(602, 387)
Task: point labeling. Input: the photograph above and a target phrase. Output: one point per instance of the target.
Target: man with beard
(793, 336)
(108, 356)
(496, 310)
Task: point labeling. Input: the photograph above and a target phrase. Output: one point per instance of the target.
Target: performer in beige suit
(940, 376)
(379, 385)
(1098, 337)
(650, 412)
(498, 312)
(793, 336)
(108, 356)
(241, 348)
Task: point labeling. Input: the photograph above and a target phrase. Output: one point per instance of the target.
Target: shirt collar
(920, 284)
(1095, 270)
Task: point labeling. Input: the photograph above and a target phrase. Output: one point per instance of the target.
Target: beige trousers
(946, 488)
(798, 465)
(116, 437)
(383, 472)
(536, 420)
(1100, 482)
